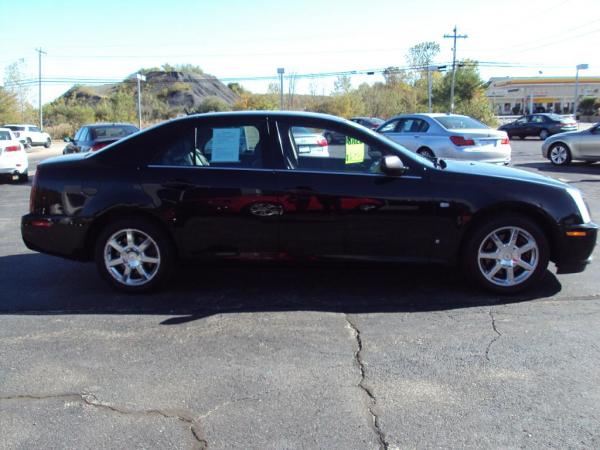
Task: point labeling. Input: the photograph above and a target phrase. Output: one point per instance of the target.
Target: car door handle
(300, 190)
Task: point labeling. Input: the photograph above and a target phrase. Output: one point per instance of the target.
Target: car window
(78, 134)
(349, 155)
(459, 122)
(521, 121)
(236, 146)
(84, 135)
(112, 132)
(538, 119)
(35, 129)
(5, 136)
(390, 126)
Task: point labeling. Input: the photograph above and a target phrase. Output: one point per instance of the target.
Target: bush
(61, 131)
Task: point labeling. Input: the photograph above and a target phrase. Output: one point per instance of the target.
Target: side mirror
(392, 165)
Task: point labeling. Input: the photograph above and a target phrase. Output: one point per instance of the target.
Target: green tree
(14, 79)
(9, 109)
(212, 104)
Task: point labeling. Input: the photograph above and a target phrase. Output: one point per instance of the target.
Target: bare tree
(14, 81)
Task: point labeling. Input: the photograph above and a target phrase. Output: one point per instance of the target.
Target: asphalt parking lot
(261, 357)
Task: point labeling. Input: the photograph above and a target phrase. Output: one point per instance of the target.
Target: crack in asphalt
(383, 444)
(495, 338)
(91, 400)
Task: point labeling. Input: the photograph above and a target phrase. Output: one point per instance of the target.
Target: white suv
(30, 135)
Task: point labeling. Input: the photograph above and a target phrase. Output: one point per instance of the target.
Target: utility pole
(140, 78)
(281, 71)
(40, 51)
(429, 69)
(454, 36)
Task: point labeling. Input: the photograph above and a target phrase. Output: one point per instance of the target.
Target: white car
(13, 158)
(449, 136)
(310, 142)
(30, 134)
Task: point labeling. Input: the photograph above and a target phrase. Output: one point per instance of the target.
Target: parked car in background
(539, 125)
(448, 136)
(14, 162)
(93, 137)
(138, 205)
(369, 122)
(563, 148)
(30, 135)
(310, 142)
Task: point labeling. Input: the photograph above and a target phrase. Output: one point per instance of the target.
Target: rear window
(112, 132)
(558, 118)
(5, 136)
(459, 122)
(375, 121)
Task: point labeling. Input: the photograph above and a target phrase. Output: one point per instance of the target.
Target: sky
(235, 39)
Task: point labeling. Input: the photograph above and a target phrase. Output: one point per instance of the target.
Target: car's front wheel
(559, 154)
(507, 255)
(134, 255)
(426, 153)
(48, 143)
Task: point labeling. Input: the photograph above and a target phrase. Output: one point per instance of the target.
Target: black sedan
(539, 125)
(237, 185)
(93, 137)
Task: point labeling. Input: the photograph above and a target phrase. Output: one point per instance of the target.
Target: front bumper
(55, 235)
(572, 254)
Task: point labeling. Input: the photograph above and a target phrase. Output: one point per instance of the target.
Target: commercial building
(539, 94)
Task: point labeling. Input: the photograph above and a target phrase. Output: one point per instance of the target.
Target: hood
(495, 171)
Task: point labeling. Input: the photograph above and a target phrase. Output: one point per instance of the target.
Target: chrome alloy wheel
(508, 256)
(131, 257)
(559, 154)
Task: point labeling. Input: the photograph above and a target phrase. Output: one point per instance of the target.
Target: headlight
(581, 206)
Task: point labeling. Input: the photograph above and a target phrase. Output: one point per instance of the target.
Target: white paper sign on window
(226, 145)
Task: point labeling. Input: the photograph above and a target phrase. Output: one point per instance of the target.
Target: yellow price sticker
(355, 151)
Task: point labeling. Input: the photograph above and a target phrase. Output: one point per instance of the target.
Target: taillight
(322, 142)
(505, 141)
(98, 146)
(33, 193)
(13, 148)
(460, 141)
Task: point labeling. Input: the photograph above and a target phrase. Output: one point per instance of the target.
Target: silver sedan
(450, 136)
(563, 148)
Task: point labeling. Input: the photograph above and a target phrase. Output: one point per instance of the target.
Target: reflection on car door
(212, 179)
(336, 208)
(589, 143)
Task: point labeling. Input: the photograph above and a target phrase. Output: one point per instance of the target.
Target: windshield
(112, 132)
(459, 122)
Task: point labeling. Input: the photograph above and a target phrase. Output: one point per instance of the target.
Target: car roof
(108, 124)
(19, 125)
(430, 115)
(5, 129)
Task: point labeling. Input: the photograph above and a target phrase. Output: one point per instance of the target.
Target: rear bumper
(573, 253)
(55, 235)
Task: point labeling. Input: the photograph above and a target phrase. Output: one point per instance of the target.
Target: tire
(145, 260)
(24, 177)
(426, 153)
(503, 257)
(559, 154)
(29, 143)
(544, 134)
(48, 143)
(514, 136)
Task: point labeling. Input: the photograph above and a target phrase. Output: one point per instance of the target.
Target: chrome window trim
(158, 166)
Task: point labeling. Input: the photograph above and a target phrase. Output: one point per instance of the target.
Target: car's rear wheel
(134, 255)
(559, 154)
(544, 134)
(426, 153)
(507, 254)
(48, 143)
(24, 177)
